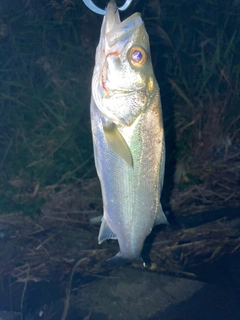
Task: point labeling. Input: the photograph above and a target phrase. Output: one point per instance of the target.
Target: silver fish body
(128, 135)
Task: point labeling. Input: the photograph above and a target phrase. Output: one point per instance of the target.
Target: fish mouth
(117, 30)
(121, 93)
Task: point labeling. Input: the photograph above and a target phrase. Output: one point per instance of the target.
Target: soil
(130, 293)
(51, 267)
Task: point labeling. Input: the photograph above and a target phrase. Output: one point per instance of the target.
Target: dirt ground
(52, 267)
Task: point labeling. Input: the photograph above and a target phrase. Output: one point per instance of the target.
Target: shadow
(149, 242)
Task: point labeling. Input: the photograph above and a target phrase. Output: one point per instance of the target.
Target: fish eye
(138, 56)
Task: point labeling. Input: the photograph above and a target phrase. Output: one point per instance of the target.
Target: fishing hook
(97, 10)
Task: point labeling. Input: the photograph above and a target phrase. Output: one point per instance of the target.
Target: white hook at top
(97, 10)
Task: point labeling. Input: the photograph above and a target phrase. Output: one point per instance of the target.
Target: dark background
(47, 56)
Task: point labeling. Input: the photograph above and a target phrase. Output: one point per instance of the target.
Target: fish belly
(131, 194)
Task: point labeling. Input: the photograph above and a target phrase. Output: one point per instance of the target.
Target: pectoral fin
(117, 143)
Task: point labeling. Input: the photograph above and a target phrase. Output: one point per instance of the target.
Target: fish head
(123, 83)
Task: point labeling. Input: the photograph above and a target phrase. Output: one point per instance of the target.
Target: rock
(9, 315)
(134, 294)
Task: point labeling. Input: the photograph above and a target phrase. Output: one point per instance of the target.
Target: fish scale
(128, 135)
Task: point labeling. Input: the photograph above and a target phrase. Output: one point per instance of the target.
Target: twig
(24, 290)
(68, 288)
(6, 152)
(236, 248)
(45, 241)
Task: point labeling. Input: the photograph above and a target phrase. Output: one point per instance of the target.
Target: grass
(45, 74)
(47, 56)
(204, 73)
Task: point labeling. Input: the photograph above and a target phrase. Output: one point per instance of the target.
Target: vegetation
(47, 55)
(45, 91)
(204, 74)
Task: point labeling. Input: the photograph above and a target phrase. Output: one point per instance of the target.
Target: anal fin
(105, 232)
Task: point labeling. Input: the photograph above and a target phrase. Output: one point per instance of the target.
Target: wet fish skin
(128, 135)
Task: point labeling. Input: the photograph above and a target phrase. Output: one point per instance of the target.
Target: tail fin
(119, 260)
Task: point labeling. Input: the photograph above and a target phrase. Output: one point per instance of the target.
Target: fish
(128, 134)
